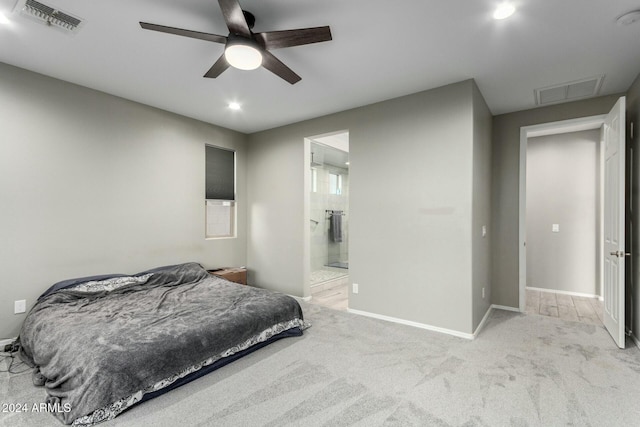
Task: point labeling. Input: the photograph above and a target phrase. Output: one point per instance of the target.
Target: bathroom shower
(329, 212)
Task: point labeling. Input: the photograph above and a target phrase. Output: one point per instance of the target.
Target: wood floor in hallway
(563, 306)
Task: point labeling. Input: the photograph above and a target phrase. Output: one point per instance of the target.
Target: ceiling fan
(245, 49)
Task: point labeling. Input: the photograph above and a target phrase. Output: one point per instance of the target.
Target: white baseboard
(482, 322)
(635, 340)
(437, 328)
(414, 324)
(486, 316)
(573, 294)
(505, 307)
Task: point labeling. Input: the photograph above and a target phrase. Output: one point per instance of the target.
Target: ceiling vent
(571, 91)
(49, 15)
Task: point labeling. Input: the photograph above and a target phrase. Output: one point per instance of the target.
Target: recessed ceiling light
(503, 11)
(346, 163)
(234, 106)
(3, 19)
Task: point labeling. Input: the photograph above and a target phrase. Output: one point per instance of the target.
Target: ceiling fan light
(243, 56)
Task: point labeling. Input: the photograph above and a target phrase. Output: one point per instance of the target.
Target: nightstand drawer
(232, 274)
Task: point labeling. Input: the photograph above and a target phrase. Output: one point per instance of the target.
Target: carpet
(349, 370)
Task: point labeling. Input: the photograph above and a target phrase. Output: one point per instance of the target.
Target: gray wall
(633, 116)
(91, 183)
(481, 249)
(411, 178)
(506, 171)
(562, 188)
(275, 212)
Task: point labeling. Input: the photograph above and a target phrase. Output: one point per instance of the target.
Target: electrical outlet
(19, 306)
(482, 293)
(354, 288)
(11, 348)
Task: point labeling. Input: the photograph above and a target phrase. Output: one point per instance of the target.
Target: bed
(102, 344)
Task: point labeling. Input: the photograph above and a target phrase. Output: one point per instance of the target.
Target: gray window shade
(220, 170)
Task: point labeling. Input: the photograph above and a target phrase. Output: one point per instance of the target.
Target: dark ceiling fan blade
(234, 17)
(217, 68)
(289, 38)
(274, 65)
(186, 33)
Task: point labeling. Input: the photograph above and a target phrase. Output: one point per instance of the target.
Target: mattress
(100, 345)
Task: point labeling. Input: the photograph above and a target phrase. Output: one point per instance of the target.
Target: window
(220, 194)
(335, 183)
(220, 218)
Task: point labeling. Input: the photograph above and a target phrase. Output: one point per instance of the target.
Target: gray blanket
(97, 352)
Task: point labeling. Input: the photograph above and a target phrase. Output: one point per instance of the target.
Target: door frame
(306, 206)
(526, 132)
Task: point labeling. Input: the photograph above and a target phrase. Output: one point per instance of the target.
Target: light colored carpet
(523, 370)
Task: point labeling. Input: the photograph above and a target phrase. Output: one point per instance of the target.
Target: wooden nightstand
(232, 274)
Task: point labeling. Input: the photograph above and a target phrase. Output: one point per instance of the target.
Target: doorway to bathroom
(329, 219)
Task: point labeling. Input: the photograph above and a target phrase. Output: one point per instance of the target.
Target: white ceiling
(381, 49)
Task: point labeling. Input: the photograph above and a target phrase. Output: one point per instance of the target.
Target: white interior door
(614, 222)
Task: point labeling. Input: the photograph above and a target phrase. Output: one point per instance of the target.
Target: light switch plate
(555, 228)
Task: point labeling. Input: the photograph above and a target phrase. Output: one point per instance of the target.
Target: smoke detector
(49, 15)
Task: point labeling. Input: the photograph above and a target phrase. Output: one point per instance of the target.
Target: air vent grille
(50, 15)
(570, 91)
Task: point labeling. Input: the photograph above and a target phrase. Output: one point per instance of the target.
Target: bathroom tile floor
(326, 274)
